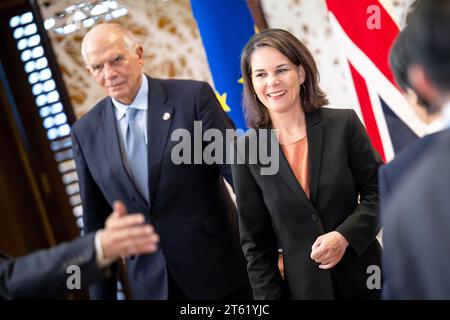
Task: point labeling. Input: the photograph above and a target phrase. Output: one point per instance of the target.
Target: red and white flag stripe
(365, 46)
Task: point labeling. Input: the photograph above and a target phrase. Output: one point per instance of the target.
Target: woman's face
(276, 80)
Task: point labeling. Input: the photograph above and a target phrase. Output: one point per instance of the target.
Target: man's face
(117, 70)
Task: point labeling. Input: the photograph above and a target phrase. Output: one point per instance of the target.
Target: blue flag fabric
(225, 27)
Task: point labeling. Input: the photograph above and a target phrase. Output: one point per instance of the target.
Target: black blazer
(42, 274)
(190, 206)
(343, 166)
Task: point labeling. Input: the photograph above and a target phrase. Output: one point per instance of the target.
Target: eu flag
(225, 27)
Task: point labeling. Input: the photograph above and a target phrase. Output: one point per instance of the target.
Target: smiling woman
(277, 53)
(276, 80)
(321, 206)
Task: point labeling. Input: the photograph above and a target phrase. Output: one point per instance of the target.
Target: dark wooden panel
(21, 217)
(33, 137)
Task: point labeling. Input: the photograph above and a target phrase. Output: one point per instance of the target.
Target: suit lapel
(314, 132)
(158, 124)
(289, 177)
(109, 134)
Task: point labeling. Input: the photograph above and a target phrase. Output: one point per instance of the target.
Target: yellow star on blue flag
(223, 101)
(225, 28)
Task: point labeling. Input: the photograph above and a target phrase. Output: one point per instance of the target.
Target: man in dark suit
(392, 173)
(416, 219)
(44, 274)
(124, 149)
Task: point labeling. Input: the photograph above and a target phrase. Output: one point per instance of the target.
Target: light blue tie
(137, 153)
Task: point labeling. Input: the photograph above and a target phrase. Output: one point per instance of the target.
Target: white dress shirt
(102, 262)
(436, 125)
(140, 102)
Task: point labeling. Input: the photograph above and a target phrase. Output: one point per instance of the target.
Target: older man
(122, 149)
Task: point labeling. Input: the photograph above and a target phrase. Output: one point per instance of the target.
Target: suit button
(314, 217)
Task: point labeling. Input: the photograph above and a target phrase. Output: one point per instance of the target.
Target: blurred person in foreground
(43, 274)
(391, 174)
(416, 221)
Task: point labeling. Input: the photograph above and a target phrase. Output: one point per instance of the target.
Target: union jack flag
(365, 31)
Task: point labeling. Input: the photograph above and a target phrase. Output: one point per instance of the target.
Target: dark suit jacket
(189, 204)
(42, 274)
(343, 167)
(416, 228)
(391, 174)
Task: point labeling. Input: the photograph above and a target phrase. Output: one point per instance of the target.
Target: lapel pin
(166, 116)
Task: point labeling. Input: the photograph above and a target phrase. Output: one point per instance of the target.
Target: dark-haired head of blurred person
(399, 61)
(428, 35)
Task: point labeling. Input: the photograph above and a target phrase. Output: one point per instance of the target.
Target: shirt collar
(436, 126)
(140, 101)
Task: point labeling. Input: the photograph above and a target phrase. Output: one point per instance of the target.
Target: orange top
(297, 156)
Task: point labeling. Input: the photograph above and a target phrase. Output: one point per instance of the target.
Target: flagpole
(257, 12)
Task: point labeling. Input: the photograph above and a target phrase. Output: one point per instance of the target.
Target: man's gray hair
(127, 36)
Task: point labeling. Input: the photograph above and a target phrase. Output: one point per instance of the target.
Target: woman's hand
(328, 249)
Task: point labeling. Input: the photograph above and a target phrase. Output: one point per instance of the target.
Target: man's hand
(126, 234)
(328, 249)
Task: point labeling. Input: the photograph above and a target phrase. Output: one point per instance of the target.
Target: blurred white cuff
(446, 113)
(99, 257)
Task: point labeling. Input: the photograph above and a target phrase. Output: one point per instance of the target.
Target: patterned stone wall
(166, 29)
(173, 47)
